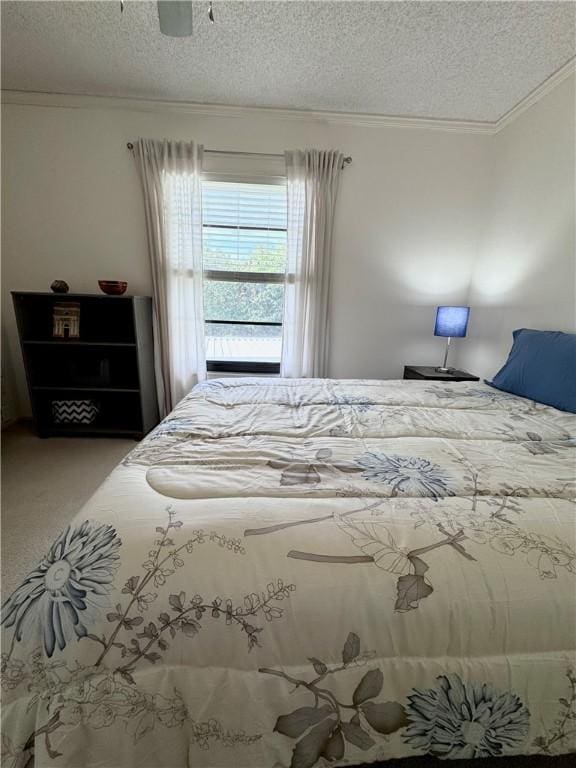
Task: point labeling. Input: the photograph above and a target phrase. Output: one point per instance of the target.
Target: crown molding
(538, 93)
(88, 101)
(75, 101)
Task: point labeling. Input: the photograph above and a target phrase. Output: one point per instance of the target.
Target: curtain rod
(346, 161)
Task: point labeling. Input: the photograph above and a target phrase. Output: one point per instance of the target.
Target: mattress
(303, 572)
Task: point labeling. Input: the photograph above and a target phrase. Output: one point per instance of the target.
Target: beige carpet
(44, 484)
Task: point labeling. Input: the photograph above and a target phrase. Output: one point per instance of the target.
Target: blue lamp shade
(451, 321)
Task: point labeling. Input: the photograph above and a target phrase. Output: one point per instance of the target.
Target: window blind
(244, 227)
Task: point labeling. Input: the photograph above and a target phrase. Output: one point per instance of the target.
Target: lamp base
(444, 367)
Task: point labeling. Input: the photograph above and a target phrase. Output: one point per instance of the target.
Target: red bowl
(113, 287)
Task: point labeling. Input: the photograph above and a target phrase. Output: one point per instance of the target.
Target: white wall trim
(77, 101)
(538, 93)
(73, 101)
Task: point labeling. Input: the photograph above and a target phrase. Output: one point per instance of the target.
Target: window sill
(243, 368)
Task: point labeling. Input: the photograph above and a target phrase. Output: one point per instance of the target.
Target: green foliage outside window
(257, 302)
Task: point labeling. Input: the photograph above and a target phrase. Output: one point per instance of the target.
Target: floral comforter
(301, 573)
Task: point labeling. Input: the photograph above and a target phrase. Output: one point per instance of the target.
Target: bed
(303, 572)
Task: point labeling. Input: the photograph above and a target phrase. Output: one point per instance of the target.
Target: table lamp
(450, 322)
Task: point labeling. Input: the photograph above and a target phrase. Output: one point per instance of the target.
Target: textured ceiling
(460, 60)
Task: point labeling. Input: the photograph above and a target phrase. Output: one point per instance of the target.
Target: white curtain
(312, 177)
(170, 175)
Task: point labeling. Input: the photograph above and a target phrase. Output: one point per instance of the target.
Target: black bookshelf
(110, 364)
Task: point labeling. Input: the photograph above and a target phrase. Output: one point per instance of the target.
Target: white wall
(525, 275)
(408, 225)
(425, 217)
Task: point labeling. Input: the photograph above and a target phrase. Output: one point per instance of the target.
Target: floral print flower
(488, 393)
(171, 712)
(182, 427)
(465, 720)
(537, 446)
(360, 402)
(408, 475)
(547, 561)
(13, 672)
(66, 589)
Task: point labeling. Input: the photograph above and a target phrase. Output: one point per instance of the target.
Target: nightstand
(429, 373)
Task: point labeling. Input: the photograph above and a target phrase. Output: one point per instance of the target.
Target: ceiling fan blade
(175, 17)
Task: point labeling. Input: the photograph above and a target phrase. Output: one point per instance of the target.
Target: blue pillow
(541, 366)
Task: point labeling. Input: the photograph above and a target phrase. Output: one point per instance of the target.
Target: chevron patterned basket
(74, 411)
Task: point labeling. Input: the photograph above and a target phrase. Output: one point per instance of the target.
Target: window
(244, 255)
